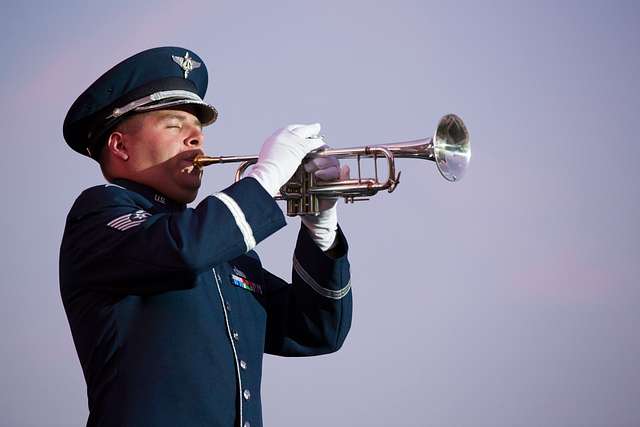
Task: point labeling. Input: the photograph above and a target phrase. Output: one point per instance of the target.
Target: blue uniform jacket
(171, 311)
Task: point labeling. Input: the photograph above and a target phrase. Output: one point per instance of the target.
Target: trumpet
(449, 148)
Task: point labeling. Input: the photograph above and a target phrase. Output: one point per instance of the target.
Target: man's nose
(195, 138)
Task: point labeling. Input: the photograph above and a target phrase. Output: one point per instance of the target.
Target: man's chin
(184, 188)
(186, 194)
(190, 192)
(188, 199)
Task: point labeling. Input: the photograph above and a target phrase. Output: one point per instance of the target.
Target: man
(169, 307)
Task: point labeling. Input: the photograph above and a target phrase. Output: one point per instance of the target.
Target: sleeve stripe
(241, 221)
(328, 293)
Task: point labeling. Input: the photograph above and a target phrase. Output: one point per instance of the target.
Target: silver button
(236, 336)
(246, 424)
(246, 394)
(227, 306)
(243, 364)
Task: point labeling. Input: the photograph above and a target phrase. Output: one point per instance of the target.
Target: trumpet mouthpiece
(201, 161)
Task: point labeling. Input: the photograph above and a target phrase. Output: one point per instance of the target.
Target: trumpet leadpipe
(202, 160)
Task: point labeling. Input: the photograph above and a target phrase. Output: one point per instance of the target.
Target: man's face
(161, 146)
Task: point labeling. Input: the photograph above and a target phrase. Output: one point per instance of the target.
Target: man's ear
(117, 147)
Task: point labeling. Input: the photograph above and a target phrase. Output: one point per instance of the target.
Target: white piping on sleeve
(241, 220)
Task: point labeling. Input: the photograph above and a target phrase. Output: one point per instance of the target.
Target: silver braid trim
(328, 293)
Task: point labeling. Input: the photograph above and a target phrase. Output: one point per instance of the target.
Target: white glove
(323, 227)
(282, 153)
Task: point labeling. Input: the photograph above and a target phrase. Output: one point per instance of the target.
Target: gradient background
(508, 299)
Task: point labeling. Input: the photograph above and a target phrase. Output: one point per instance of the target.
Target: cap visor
(206, 113)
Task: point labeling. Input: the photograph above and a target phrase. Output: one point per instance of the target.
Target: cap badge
(187, 63)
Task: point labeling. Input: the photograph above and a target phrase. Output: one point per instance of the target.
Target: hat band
(154, 97)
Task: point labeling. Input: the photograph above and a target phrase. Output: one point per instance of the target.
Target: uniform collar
(158, 199)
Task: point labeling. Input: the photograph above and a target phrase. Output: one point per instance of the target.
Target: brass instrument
(449, 148)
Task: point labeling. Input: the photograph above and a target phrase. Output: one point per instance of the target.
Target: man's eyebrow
(166, 116)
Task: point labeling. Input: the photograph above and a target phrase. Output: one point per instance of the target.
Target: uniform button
(246, 424)
(246, 394)
(236, 336)
(227, 306)
(243, 365)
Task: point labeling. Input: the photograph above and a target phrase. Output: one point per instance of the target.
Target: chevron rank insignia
(128, 221)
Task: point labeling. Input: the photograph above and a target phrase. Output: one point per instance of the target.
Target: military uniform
(170, 314)
(169, 307)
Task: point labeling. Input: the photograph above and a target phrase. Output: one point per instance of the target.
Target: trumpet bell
(451, 147)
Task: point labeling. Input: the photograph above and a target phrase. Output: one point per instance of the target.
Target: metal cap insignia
(187, 63)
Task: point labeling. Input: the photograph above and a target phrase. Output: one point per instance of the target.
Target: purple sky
(508, 299)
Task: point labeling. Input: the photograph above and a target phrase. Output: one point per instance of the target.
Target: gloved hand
(282, 153)
(322, 227)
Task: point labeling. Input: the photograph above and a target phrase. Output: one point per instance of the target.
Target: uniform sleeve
(113, 244)
(312, 315)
